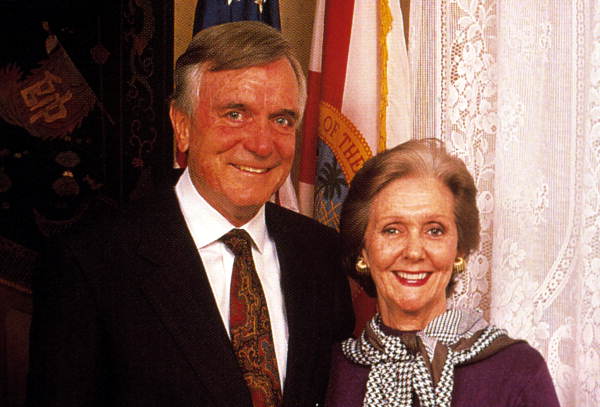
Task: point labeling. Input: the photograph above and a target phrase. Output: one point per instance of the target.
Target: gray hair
(227, 46)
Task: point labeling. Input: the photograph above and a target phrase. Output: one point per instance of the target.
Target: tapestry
(84, 90)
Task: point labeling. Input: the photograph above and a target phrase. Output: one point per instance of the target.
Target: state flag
(359, 104)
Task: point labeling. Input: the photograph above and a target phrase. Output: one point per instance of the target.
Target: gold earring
(459, 265)
(361, 267)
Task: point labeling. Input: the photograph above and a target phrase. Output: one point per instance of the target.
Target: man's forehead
(278, 70)
(274, 81)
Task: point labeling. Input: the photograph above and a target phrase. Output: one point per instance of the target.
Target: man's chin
(244, 202)
(250, 204)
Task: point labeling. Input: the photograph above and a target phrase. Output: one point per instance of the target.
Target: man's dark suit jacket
(124, 315)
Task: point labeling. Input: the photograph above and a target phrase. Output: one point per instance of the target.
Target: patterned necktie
(250, 325)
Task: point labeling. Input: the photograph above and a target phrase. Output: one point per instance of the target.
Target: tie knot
(238, 241)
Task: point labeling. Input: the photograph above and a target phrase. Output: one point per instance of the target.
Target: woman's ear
(181, 128)
(363, 254)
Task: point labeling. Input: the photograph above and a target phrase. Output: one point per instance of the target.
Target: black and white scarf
(396, 370)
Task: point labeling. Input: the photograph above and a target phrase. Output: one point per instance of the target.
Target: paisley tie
(249, 324)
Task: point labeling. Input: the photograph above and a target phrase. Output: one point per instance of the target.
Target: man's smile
(252, 170)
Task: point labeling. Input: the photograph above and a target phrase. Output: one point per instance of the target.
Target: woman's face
(410, 245)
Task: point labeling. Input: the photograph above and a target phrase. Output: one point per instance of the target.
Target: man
(142, 310)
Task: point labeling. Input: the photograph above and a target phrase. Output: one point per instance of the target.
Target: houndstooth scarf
(405, 363)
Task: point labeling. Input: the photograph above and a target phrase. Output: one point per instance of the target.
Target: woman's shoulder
(516, 359)
(520, 351)
(518, 371)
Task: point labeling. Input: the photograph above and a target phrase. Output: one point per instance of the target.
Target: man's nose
(259, 139)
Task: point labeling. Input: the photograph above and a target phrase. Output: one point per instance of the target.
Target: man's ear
(181, 128)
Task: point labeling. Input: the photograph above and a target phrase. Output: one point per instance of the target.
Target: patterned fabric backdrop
(83, 116)
(513, 87)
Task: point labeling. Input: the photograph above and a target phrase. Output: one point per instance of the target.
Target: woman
(408, 225)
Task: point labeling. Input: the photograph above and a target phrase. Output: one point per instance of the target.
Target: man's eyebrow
(233, 105)
(285, 112)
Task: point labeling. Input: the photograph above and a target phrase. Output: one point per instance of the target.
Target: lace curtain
(513, 87)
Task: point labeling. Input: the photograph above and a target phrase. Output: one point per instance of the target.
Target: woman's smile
(412, 279)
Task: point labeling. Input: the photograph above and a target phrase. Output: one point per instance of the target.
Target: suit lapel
(180, 293)
(300, 300)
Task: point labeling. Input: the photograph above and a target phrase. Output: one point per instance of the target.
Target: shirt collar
(206, 224)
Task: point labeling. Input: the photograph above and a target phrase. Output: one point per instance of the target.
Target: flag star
(260, 5)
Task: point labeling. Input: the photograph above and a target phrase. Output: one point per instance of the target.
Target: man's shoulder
(112, 222)
(284, 219)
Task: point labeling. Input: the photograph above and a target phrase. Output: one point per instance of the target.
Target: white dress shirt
(207, 225)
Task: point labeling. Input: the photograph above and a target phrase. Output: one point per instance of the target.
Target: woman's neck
(402, 320)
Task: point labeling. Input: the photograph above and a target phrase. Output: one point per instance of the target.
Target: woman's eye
(390, 231)
(436, 231)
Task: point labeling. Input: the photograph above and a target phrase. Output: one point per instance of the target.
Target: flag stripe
(308, 160)
(311, 124)
(361, 91)
(385, 26)
(336, 42)
(399, 112)
(316, 48)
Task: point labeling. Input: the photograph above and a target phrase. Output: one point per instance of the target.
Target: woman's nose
(414, 249)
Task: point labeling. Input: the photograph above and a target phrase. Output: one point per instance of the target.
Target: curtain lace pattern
(516, 90)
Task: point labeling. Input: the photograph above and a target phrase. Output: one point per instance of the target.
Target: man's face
(241, 137)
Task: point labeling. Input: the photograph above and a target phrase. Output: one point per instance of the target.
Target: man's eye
(234, 115)
(284, 121)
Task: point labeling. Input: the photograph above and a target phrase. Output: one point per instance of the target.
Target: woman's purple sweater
(515, 376)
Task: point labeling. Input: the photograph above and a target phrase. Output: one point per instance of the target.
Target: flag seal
(347, 143)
